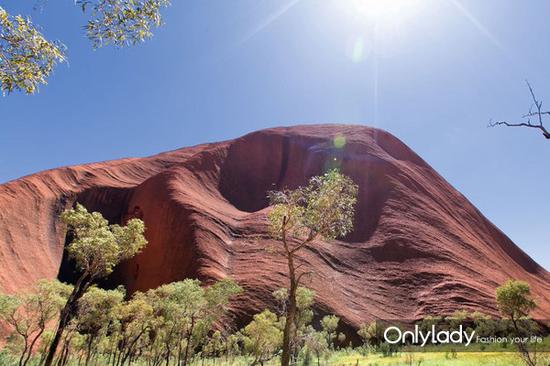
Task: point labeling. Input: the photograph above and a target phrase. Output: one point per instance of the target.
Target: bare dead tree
(537, 115)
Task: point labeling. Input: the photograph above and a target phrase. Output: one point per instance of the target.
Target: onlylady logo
(394, 335)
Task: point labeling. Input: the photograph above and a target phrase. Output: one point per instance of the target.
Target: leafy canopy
(185, 312)
(122, 22)
(29, 312)
(325, 208)
(96, 309)
(263, 336)
(97, 246)
(514, 299)
(26, 57)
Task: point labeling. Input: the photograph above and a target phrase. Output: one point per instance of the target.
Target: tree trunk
(522, 348)
(67, 314)
(188, 345)
(29, 352)
(24, 353)
(291, 314)
(89, 350)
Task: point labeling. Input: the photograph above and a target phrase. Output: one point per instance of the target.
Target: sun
(382, 9)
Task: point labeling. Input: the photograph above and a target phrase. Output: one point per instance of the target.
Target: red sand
(419, 247)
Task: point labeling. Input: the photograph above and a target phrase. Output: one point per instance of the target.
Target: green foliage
(96, 309)
(185, 313)
(304, 301)
(29, 314)
(325, 207)
(168, 324)
(26, 57)
(329, 324)
(214, 346)
(263, 336)
(30, 311)
(97, 316)
(122, 22)
(97, 246)
(457, 318)
(370, 334)
(316, 343)
(514, 299)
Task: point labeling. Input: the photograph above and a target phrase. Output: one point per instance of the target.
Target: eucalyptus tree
(136, 321)
(369, 334)
(29, 314)
(304, 315)
(323, 209)
(316, 342)
(121, 22)
(184, 315)
(97, 247)
(515, 302)
(27, 58)
(211, 308)
(263, 337)
(329, 324)
(96, 312)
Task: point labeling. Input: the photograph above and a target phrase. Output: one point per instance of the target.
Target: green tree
(484, 325)
(26, 57)
(329, 324)
(136, 321)
(214, 346)
(457, 318)
(323, 209)
(304, 314)
(514, 299)
(262, 337)
(515, 303)
(96, 249)
(96, 311)
(370, 334)
(186, 313)
(316, 342)
(29, 314)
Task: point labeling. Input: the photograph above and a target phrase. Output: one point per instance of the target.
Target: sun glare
(383, 10)
(375, 7)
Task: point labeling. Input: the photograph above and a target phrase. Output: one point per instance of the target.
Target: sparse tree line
(187, 322)
(184, 323)
(164, 326)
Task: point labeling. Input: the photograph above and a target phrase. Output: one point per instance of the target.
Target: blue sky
(433, 74)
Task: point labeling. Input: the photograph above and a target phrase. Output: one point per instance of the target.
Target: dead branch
(537, 115)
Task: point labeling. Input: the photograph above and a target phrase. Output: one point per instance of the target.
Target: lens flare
(339, 141)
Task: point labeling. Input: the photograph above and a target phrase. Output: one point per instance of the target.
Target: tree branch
(539, 113)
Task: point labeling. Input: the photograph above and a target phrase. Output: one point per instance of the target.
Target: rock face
(419, 247)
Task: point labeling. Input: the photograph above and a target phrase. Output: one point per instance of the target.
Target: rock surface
(419, 247)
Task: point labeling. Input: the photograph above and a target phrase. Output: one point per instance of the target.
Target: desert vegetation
(184, 323)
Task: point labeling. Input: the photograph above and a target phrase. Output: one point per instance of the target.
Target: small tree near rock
(515, 303)
(324, 209)
(96, 249)
(28, 314)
